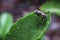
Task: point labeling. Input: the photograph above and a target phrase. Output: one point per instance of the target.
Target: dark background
(19, 7)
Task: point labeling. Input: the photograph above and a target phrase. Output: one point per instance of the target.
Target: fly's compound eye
(40, 13)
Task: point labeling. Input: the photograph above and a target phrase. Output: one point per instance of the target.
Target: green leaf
(51, 6)
(29, 27)
(6, 21)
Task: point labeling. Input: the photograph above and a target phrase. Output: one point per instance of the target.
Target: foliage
(6, 21)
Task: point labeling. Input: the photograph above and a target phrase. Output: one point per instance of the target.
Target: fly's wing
(29, 27)
(51, 6)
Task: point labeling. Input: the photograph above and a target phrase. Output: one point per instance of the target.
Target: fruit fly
(40, 13)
